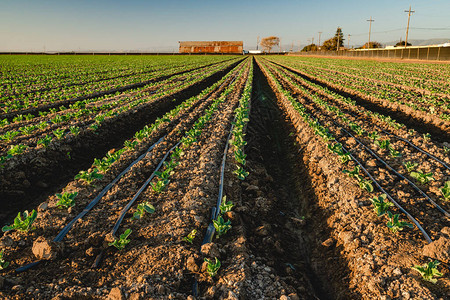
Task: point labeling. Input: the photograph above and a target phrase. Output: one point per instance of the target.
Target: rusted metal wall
(211, 47)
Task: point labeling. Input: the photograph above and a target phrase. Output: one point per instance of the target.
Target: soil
(301, 228)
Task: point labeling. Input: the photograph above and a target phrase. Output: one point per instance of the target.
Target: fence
(423, 53)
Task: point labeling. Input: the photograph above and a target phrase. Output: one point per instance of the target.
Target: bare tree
(269, 42)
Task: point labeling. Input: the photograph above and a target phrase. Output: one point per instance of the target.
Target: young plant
(353, 173)
(89, 176)
(365, 184)
(240, 172)
(59, 133)
(374, 136)
(395, 225)
(17, 149)
(410, 166)
(74, 130)
(422, 177)
(221, 226)
(45, 141)
(3, 263)
(212, 267)
(380, 205)
(426, 136)
(122, 241)
(143, 208)
(131, 145)
(428, 271)
(445, 191)
(383, 144)
(20, 224)
(66, 199)
(225, 206)
(190, 237)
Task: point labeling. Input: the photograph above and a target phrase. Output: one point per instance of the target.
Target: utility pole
(320, 32)
(292, 46)
(348, 41)
(370, 29)
(257, 42)
(279, 45)
(407, 27)
(312, 40)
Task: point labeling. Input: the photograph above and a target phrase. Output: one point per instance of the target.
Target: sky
(74, 25)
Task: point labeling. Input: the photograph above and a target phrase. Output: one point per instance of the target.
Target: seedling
(89, 176)
(212, 267)
(225, 206)
(353, 173)
(131, 145)
(395, 225)
(374, 136)
(394, 153)
(20, 224)
(45, 141)
(426, 136)
(241, 173)
(143, 208)
(410, 166)
(160, 185)
(190, 237)
(445, 190)
(3, 263)
(380, 205)
(74, 130)
(17, 149)
(365, 184)
(240, 156)
(66, 199)
(422, 177)
(428, 271)
(383, 144)
(59, 133)
(221, 226)
(122, 241)
(446, 149)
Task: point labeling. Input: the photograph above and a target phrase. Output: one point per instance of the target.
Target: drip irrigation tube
(130, 203)
(419, 149)
(424, 233)
(67, 228)
(397, 173)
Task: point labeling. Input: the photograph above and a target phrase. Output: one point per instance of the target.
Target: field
(223, 177)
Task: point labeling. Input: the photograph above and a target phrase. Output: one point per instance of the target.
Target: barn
(234, 47)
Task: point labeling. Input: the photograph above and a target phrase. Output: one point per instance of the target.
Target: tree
(311, 47)
(373, 45)
(331, 44)
(402, 44)
(269, 42)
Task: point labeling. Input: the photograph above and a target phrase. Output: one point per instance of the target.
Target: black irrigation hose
(419, 149)
(128, 206)
(397, 173)
(404, 140)
(424, 233)
(130, 203)
(215, 210)
(67, 228)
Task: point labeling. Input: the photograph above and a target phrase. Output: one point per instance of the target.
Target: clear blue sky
(29, 25)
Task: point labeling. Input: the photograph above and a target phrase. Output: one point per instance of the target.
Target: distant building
(234, 47)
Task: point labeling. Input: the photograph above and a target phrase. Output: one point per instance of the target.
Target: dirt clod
(115, 294)
(211, 250)
(44, 249)
(439, 249)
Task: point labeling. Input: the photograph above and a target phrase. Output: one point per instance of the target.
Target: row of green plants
(80, 109)
(375, 136)
(381, 206)
(65, 199)
(60, 94)
(327, 137)
(100, 118)
(380, 91)
(241, 119)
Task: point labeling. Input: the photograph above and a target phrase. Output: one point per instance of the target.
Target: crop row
(357, 84)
